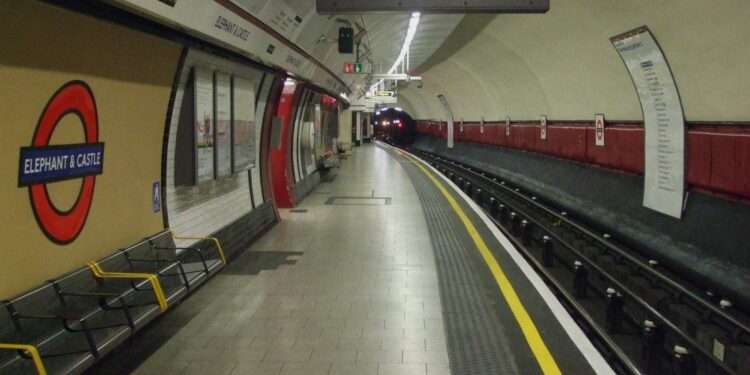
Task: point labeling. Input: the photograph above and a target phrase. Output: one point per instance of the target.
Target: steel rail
(653, 312)
(621, 252)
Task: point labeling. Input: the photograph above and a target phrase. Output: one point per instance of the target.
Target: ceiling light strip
(410, 33)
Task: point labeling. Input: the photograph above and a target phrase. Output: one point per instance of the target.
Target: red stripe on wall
(718, 156)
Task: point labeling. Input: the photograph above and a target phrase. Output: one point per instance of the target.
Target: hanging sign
(599, 130)
(663, 118)
(543, 128)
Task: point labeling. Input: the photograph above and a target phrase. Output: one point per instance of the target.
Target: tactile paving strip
(478, 338)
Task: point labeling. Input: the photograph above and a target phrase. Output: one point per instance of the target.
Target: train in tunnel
(394, 126)
(379, 187)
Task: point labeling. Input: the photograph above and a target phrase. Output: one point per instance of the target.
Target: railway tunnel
(381, 187)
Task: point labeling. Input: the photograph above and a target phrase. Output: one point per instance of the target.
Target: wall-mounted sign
(507, 126)
(481, 125)
(357, 68)
(543, 128)
(156, 196)
(42, 163)
(663, 118)
(282, 18)
(461, 125)
(599, 130)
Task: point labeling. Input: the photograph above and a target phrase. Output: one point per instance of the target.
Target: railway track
(644, 318)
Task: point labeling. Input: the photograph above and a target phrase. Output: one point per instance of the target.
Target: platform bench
(67, 324)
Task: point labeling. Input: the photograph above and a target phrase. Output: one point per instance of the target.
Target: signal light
(346, 40)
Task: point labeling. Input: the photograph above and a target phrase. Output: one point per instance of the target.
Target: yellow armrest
(32, 351)
(151, 278)
(214, 239)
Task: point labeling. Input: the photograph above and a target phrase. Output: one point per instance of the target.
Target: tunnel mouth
(395, 125)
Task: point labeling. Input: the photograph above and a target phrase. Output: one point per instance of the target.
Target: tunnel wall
(717, 154)
(705, 244)
(130, 75)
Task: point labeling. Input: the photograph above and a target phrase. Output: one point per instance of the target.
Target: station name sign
(56, 163)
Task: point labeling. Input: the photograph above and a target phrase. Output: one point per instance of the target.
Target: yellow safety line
(214, 239)
(533, 338)
(151, 278)
(31, 350)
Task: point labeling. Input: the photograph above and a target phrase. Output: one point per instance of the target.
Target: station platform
(387, 269)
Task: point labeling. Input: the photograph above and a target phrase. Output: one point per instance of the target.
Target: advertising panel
(204, 124)
(223, 125)
(244, 124)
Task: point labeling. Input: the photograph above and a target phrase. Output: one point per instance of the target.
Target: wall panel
(130, 75)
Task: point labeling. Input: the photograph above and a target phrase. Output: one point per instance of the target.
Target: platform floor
(347, 283)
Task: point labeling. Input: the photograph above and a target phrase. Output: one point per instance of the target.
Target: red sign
(348, 68)
(64, 226)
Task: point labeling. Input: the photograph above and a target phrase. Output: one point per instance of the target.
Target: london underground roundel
(42, 163)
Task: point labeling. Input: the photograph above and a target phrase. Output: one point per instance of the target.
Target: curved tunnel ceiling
(562, 64)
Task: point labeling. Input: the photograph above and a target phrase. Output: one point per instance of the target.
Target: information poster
(543, 128)
(244, 124)
(223, 125)
(664, 181)
(204, 124)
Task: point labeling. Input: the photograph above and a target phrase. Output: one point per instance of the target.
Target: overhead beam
(431, 6)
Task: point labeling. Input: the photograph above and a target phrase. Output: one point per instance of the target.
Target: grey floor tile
(256, 368)
(306, 368)
(421, 356)
(354, 369)
(402, 369)
(288, 355)
(380, 356)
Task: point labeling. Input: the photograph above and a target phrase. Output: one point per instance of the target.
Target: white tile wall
(200, 211)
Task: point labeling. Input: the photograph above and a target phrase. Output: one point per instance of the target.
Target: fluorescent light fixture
(377, 113)
(344, 96)
(398, 109)
(289, 82)
(410, 32)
